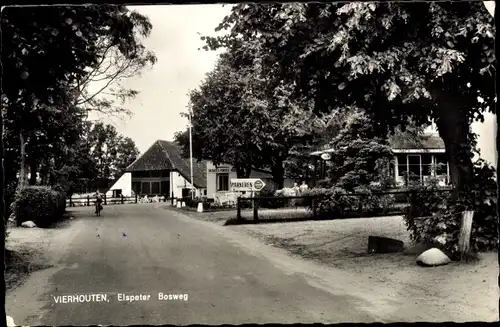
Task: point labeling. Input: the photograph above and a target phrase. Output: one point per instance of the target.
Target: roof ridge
(165, 151)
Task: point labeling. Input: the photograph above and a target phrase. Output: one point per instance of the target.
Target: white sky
(181, 67)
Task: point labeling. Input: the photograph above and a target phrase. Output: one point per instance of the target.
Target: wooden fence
(86, 201)
(306, 207)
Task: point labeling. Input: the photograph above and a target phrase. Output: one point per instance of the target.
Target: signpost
(247, 185)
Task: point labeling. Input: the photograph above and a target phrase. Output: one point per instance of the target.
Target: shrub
(275, 202)
(338, 203)
(40, 204)
(430, 218)
(193, 203)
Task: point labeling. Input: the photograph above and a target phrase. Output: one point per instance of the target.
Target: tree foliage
(361, 157)
(54, 57)
(427, 61)
(242, 118)
(45, 105)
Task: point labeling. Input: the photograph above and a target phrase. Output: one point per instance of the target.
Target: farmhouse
(163, 170)
(419, 162)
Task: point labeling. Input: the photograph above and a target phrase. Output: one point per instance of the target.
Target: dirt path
(457, 292)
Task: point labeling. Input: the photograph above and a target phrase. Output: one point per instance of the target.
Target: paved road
(144, 249)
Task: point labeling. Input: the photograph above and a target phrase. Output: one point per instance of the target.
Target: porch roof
(429, 143)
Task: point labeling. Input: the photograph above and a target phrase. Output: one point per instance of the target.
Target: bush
(40, 204)
(193, 203)
(338, 203)
(431, 218)
(275, 202)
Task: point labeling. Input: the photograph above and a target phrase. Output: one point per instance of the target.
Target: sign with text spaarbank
(246, 184)
(221, 170)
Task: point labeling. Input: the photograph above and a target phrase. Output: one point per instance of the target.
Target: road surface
(143, 249)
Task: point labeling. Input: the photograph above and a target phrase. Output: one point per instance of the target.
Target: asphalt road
(144, 249)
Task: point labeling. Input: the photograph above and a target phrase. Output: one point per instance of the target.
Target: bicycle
(98, 209)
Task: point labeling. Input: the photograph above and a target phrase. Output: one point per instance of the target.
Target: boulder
(28, 224)
(379, 244)
(432, 258)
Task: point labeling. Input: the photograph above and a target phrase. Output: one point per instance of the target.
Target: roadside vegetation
(52, 148)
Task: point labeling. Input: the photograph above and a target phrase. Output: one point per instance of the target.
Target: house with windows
(421, 163)
(412, 162)
(218, 178)
(162, 170)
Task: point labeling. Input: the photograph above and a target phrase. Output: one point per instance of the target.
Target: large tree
(425, 60)
(77, 45)
(256, 124)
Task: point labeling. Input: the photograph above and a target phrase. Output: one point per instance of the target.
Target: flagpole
(191, 151)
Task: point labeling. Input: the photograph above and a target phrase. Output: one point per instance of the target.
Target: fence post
(70, 201)
(313, 204)
(105, 199)
(135, 197)
(122, 198)
(88, 200)
(238, 208)
(255, 210)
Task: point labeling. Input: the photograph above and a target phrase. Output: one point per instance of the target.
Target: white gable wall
(124, 183)
(177, 183)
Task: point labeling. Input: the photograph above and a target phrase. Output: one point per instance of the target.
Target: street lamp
(191, 150)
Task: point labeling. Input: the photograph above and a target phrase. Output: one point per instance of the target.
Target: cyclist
(98, 198)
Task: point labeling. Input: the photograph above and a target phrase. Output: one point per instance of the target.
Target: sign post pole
(252, 185)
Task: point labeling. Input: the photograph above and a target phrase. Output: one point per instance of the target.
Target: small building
(417, 162)
(218, 178)
(162, 170)
(428, 160)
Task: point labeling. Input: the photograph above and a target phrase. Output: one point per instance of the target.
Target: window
(145, 188)
(426, 165)
(441, 166)
(136, 187)
(165, 188)
(222, 182)
(414, 162)
(155, 187)
(402, 164)
(391, 169)
(205, 192)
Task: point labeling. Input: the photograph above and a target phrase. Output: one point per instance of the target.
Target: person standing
(303, 187)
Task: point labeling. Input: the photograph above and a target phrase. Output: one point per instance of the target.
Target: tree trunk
(23, 171)
(33, 171)
(2, 176)
(2, 185)
(454, 129)
(278, 175)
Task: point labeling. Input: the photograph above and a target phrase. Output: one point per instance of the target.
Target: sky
(181, 67)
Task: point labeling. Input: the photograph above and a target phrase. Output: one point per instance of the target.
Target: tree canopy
(245, 119)
(428, 61)
(51, 56)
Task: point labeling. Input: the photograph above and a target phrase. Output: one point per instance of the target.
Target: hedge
(40, 204)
